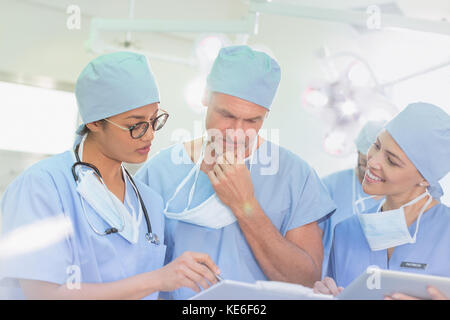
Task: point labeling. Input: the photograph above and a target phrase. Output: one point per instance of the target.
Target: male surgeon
(248, 203)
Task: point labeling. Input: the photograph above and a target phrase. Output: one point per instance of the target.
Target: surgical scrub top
(286, 187)
(48, 189)
(351, 254)
(340, 185)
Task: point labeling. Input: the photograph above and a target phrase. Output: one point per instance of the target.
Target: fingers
(195, 277)
(225, 162)
(212, 177)
(331, 284)
(190, 279)
(200, 268)
(320, 287)
(218, 172)
(400, 296)
(436, 294)
(207, 261)
(206, 273)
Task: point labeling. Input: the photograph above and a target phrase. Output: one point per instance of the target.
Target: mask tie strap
(181, 185)
(197, 172)
(420, 214)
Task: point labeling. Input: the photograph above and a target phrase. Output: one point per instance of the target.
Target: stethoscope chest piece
(152, 238)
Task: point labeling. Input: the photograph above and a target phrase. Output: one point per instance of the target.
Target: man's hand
(232, 183)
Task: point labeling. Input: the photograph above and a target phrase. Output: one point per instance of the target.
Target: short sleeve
(30, 199)
(328, 183)
(310, 203)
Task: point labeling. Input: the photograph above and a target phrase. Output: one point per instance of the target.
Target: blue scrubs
(351, 254)
(291, 197)
(340, 185)
(48, 189)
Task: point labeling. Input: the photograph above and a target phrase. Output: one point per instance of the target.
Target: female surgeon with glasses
(117, 244)
(409, 230)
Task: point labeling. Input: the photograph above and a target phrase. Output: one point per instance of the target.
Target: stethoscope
(150, 236)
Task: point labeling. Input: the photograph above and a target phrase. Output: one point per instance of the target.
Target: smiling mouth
(370, 177)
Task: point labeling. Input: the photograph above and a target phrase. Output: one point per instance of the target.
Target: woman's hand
(327, 286)
(434, 293)
(191, 269)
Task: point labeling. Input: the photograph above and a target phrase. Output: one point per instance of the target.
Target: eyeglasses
(139, 129)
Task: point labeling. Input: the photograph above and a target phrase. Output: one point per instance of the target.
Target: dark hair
(84, 131)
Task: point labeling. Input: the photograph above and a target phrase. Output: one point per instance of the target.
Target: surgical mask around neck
(388, 229)
(93, 190)
(212, 213)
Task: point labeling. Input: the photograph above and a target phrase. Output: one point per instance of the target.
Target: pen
(219, 278)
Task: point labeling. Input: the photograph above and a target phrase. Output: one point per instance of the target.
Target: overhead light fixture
(193, 93)
(347, 101)
(207, 48)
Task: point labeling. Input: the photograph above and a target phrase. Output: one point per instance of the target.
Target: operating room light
(347, 101)
(335, 143)
(194, 91)
(208, 48)
(358, 75)
(348, 108)
(315, 98)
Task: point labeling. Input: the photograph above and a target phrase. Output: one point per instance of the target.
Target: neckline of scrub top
(394, 259)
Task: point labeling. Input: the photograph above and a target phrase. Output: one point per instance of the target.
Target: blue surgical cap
(368, 135)
(422, 130)
(245, 73)
(114, 83)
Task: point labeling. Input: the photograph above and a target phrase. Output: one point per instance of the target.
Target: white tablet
(375, 284)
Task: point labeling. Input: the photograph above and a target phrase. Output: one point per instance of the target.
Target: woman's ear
(95, 126)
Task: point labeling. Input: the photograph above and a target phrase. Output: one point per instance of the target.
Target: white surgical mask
(212, 213)
(106, 204)
(388, 229)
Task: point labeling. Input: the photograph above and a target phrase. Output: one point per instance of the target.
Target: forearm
(279, 258)
(135, 287)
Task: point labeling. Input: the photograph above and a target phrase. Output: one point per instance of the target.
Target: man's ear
(95, 126)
